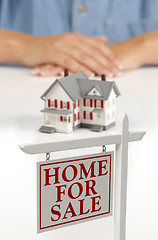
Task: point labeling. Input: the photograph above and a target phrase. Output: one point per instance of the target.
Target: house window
(98, 104)
(65, 119)
(69, 119)
(53, 103)
(88, 115)
(94, 92)
(88, 102)
(98, 115)
(65, 105)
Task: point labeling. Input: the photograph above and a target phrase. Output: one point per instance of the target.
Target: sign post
(77, 189)
(121, 169)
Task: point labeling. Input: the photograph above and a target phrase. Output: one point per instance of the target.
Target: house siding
(60, 97)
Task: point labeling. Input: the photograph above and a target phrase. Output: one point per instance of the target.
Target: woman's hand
(137, 51)
(72, 51)
(129, 53)
(52, 69)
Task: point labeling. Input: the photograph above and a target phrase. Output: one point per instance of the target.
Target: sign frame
(109, 156)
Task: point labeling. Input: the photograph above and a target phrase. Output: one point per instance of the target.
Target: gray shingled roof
(105, 86)
(70, 85)
(77, 86)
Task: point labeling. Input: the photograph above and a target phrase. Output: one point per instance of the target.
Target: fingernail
(115, 70)
(110, 75)
(62, 73)
(106, 72)
(120, 66)
(92, 75)
(119, 74)
(35, 71)
(44, 73)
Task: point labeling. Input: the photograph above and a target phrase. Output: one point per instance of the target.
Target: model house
(76, 101)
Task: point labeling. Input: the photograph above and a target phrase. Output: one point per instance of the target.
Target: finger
(103, 49)
(90, 46)
(64, 59)
(90, 58)
(47, 70)
(100, 38)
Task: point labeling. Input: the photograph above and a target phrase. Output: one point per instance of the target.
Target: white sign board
(74, 190)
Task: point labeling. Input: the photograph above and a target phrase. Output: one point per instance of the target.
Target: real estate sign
(74, 190)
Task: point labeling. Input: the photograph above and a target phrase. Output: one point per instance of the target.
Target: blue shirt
(116, 19)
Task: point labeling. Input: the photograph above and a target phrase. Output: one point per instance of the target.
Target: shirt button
(82, 8)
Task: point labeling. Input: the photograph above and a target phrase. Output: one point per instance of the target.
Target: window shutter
(68, 105)
(84, 114)
(61, 118)
(56, 104)
(49, 103)
(61, 104)
(78, 115)
(102, 103)
(69, 119)
(91, 103)
(91, 116)
(78, 103)
(75, 117)
(95, 103)
(74, 105)
(84, 102)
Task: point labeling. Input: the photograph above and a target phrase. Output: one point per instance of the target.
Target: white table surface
(20, 119)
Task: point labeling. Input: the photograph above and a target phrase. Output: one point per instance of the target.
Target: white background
(20, 119)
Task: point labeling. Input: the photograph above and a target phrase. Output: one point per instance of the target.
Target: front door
(98, 119)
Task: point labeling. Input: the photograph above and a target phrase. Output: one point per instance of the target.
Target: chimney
(66, 72)
(103, 77)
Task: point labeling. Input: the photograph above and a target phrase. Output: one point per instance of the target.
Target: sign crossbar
(79, 143)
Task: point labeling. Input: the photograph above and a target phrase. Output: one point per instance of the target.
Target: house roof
(104, 88)
(70, 85)
(78, 86)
